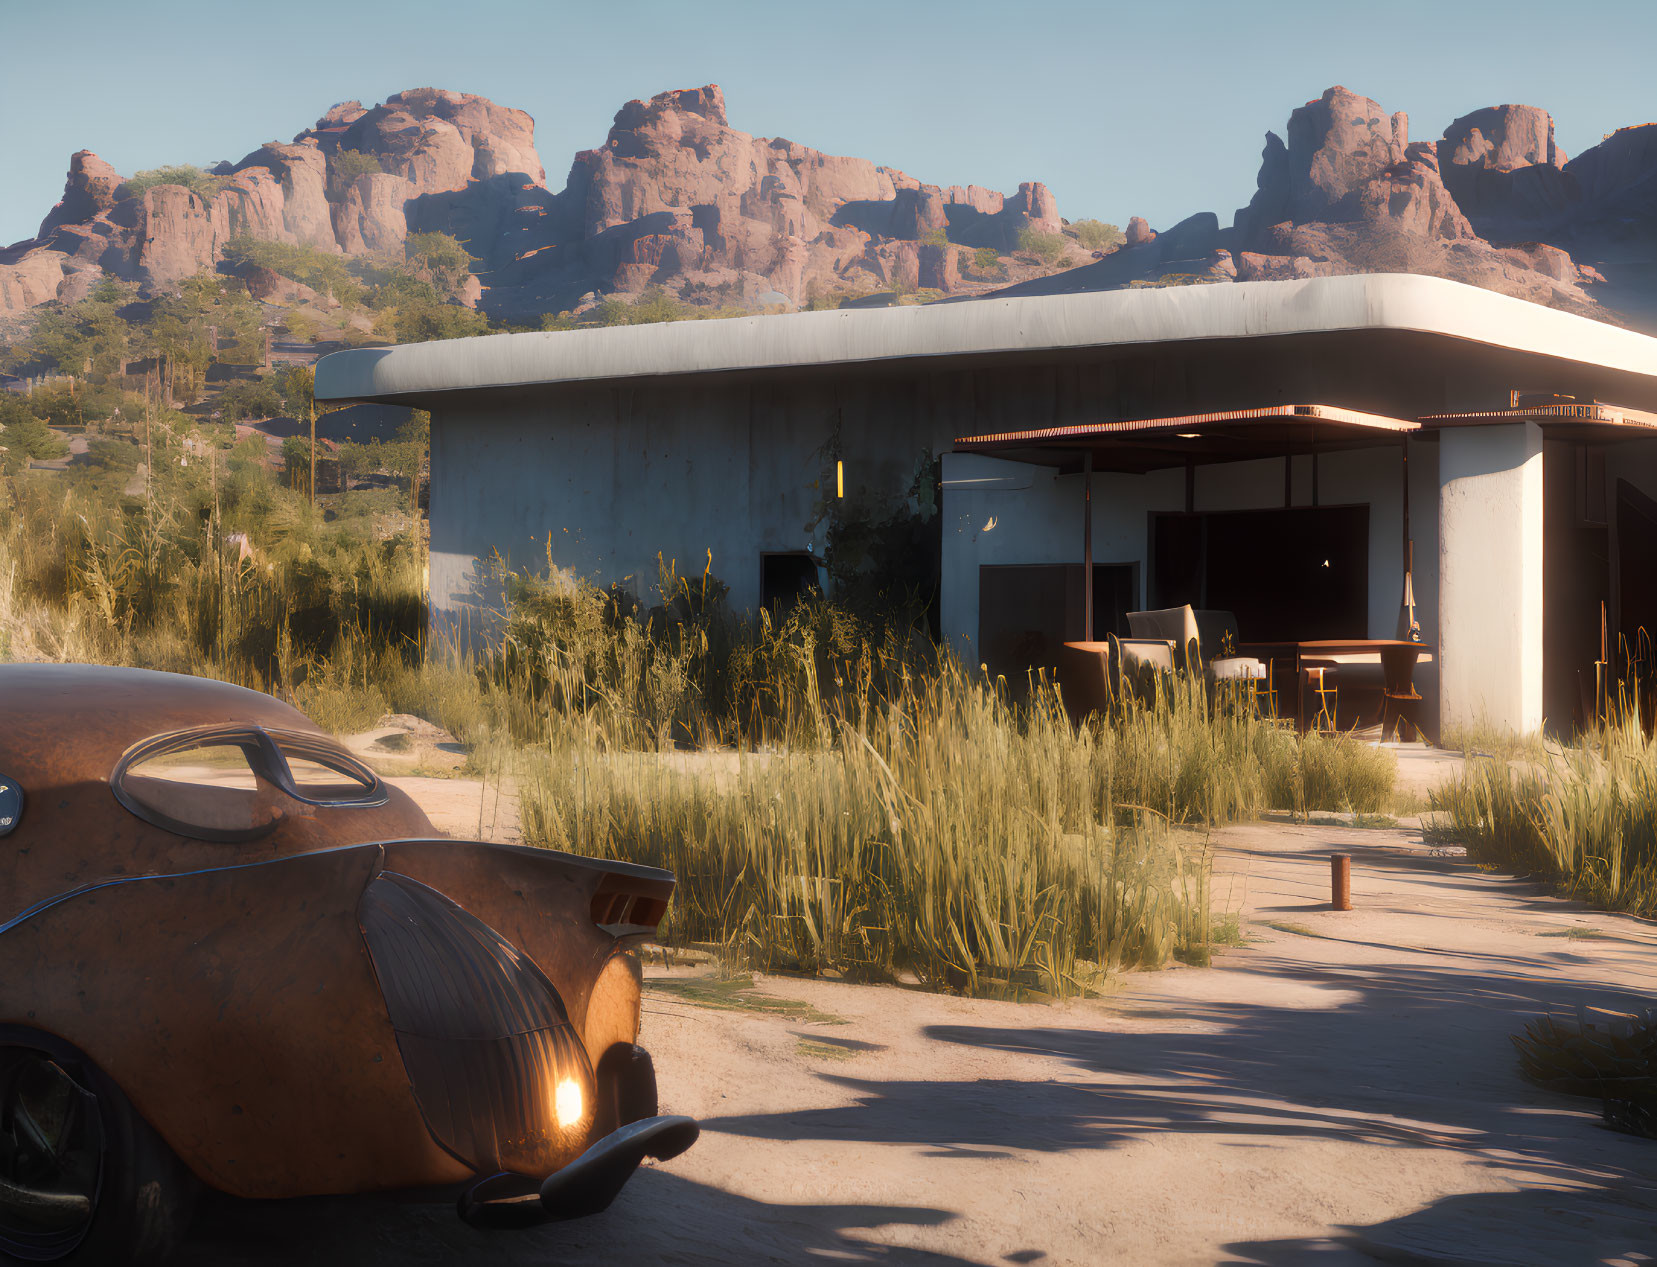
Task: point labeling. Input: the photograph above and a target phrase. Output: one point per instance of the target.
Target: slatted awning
(1230, 435)
(1589, 420)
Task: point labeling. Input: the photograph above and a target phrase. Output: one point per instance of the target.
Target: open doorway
(1027, 612)
(1292, 573)
(784, 578)
(1636, 570)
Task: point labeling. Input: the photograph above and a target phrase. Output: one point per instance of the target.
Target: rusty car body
(230, 954)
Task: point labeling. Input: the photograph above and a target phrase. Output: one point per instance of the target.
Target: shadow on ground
(1532, 1225)
(660, 1217)
(1409, 1049)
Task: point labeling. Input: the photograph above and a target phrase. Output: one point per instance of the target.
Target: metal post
(1406, 467)
(1340, 881)
(1087, 546)
(1314, 466)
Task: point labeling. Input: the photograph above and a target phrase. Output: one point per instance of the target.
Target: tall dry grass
(1584, 817)
(942, 833)
(876, 809)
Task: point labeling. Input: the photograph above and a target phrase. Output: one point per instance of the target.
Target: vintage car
(231, 955)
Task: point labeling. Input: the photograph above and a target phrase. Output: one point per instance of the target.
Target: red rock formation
(34, 277)
(373, 218)
(89, 190)
(301, 172)
(940, 267)
(1501, 139)
(677, 197)
(502, 139)
(173, 234)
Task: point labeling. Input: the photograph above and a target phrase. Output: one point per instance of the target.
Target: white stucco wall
(1490, 569)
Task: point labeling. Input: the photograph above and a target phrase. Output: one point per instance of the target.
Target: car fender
(574, 916)
(237, 1008)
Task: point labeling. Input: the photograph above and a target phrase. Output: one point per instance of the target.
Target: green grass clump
(737, 994)
(1289, 926)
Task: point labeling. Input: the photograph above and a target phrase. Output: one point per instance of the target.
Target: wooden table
(1398, 659)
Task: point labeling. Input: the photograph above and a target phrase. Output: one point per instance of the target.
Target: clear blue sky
(1146, 108)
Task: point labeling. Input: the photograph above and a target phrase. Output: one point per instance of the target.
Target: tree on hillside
(199, 182)
(324, 273)
(344, 166)
(255, 398)
(24, 436)
(440, 260)
(85, 339)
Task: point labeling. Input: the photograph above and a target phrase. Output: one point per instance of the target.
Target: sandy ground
(1341, 1089)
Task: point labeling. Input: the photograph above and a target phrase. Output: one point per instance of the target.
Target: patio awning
(1231, 435)
(1592, 421)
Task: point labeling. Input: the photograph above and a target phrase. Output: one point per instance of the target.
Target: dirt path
(1340, 1089)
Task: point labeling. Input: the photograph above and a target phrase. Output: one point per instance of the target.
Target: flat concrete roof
(412, 373)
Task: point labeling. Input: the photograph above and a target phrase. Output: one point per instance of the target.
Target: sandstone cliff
(676, 197)
(1493, 203)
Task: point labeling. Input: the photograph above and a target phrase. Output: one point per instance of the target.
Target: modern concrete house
(1278, 449)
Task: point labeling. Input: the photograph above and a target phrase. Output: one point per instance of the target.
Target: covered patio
(1294, 578)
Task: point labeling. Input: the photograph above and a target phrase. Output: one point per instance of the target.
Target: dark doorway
(1637, 593)
(1295, 573)
(784, 579)
(1576, 580)
(1026, 612)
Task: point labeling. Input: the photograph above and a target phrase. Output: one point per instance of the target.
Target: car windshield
(236, 783)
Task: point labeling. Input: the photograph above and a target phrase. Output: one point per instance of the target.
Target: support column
(1490, 577)
(1087, 546)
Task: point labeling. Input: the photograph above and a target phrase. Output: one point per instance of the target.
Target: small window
(211, 786)
(236, 783)
(322, 774)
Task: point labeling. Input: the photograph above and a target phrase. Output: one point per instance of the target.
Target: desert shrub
(250, 398)
(1048, 247)
(298, 326)
(344, 166)
(1096, 235)
(199, 182)
(425, 320)
(26, 438)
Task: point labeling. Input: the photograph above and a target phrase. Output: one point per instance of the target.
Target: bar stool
(1320, 677)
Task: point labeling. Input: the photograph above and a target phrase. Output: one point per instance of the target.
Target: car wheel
(626, 1082)
(83, 1178)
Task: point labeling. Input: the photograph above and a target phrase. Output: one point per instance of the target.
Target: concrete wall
(1490, 571)
(600, 480)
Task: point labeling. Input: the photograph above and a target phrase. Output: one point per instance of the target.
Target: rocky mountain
(1494, 202)
(677, 198)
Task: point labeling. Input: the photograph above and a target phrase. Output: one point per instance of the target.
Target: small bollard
(1340, 881)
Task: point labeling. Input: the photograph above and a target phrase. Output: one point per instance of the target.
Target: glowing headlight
(566, 1102)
